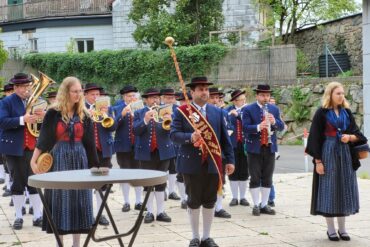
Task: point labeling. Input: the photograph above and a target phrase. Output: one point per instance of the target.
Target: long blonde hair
(63, 98)
(326, 98)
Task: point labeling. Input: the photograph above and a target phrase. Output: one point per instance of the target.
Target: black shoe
(234, 202)
(244, 202)
(184, 204)
(267, 210)
(7, 193)
(277, 157)
(103, 221)
(332, 237)
(37, 222)
(18, 224)
(23, 210)
(4, 187)
(222, 214)
(30, 210)
(27, 201)
(2, 180)
(194, 243)
(209, 242)
(174, 196)
(11, 203)
(138, 206)
(149, 218)
(271, 203)
(163, 217)
(344, 236)
(126, 207)
(256, 211)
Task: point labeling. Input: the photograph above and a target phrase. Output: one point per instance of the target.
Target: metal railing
(53, 8)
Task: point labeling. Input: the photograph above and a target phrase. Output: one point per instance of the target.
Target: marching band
(147, 133)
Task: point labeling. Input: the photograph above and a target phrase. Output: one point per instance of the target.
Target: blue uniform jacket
(12, 138)
(106, 136)
(189, 158)
(251, 117)
(143, 136)
(122, 141)
(233, 125)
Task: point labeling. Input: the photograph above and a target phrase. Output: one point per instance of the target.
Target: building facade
(366, 58)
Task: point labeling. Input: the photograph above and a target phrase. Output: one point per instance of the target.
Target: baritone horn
(99, 116)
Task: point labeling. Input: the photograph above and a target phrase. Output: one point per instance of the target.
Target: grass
(364, 175)
(264, 233)
(295, 142)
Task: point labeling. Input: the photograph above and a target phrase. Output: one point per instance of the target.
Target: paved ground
(292, 226)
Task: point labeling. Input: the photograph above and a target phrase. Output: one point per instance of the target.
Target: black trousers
(261, 168)
(201, 188)
(241, 165)
(172, 166)
(180, 178)
(155, 163)
(104, 162)
(126, 160)
(20, 169)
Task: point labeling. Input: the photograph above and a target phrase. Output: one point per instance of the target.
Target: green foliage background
(142, 68)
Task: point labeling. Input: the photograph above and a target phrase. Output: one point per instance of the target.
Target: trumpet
(101, 117)
(160, 115)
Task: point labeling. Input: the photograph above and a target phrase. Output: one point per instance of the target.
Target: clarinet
(265, 113)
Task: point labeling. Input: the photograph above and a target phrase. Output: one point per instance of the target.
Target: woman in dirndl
(67, 133)
(333, 133)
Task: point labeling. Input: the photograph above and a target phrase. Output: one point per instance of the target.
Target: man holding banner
(200, 130)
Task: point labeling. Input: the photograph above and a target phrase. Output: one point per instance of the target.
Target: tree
(3, 58)
(292, 15)
(188, 21)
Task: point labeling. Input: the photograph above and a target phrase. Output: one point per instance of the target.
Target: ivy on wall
(142, 68)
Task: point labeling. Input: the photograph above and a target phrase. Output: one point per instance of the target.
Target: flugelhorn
(101, 117)
(160, 115)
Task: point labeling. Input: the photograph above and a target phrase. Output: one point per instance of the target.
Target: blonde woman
(67, 132)
(333, 132)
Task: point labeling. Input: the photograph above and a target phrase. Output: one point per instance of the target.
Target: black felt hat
(236, 94)
(151, 92)
(263, 88)
(20, 78)
(199, 81)
(168, 91)
(214, 90)
(8, 87)
(92, 86)
(128, 89)
(180, 96)
(51, 94)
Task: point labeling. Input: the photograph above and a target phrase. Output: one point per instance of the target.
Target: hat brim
(150, 94)
(193, 84)
(237, 95)
(92, 88)
(20, 81)
(128, 91)
(262, 91)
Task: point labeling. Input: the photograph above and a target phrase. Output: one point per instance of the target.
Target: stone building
(343, 35)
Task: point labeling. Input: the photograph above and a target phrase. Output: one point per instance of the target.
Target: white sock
(35, 201)
(171, 183)
(181, 187)
(265, 196)
(138, 192)
(126, 192)
(76, 240)
(243, 189)
(255, 193)
(330, 225)
(218, 203)
(234, 189)
(149, 204)
(208, 214)
(7, 181)
(18, 201)
(159, 197)
(2, 171)
(99, 201)
(342, 224)
(194, 221)
(61, 240)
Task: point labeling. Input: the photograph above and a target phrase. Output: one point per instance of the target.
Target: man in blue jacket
(103, 136)
(153, 148)
(124, 143)
(201, 170)
(17, 143)
(260, 121)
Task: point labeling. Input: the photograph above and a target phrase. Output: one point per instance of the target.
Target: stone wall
(344, 33)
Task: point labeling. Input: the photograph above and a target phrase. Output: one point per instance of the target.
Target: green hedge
(143, 68)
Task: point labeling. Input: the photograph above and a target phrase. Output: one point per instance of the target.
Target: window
(33, 45)
(85, 45)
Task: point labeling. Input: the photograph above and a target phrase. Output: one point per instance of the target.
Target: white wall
(366, 64)
(56, 39)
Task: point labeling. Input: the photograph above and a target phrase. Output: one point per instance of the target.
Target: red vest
(29, 140)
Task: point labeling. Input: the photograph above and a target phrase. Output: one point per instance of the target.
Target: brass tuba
(35, 102)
